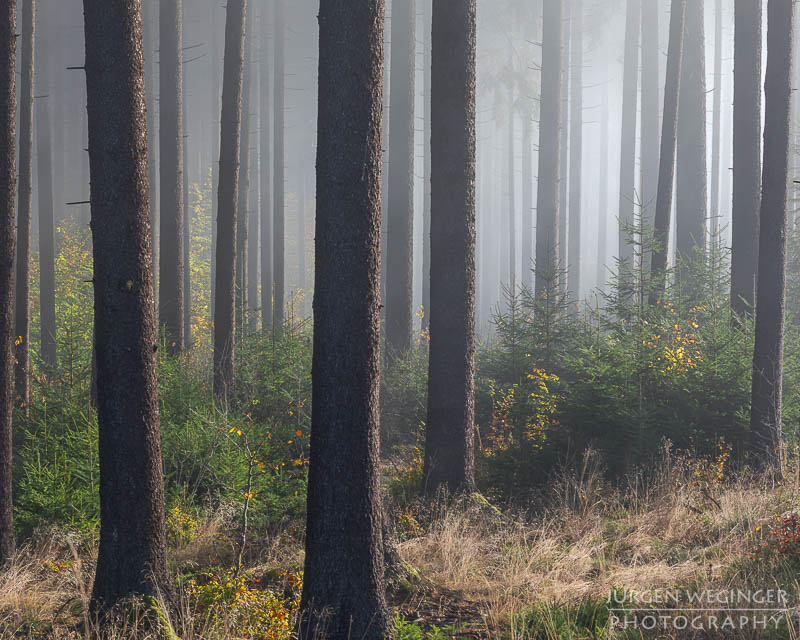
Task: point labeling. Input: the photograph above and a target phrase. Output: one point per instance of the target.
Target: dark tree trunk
(22, 325)
(547, 199)
(254, 213)
(746, 154)
(8, 184)
(132, 554)
(666, 167)
(278, 210)
(44, 152)
(170, 105)
(230, 132)
(450, 426)
(149, 26)
(716, 142)
(242, 221)
(651, 54)
(765, 416)
(426, 170)
(344, 542)
(215, 133)
(400, 214)
(575, 152)
(527, 200)
(627, 196)
(691, 188)
(265, 62)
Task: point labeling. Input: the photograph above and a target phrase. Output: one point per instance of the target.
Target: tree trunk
(765, 416)
(242, 221)
(44, 152)
(426, 171)
(132, 554)
(301, 235)
(627, 196)
(547, 199)
(278, 211)
(450, 426)
(651, 54)
(666, 167)
(230, 132)
(170, 104)
(575, 152)
(22, 326)
(512, 191)
(746, 155)
(527, 199)
(716, 142)
(691, 188)
(265, 61)
(602, 209)
(187, 229)
(563, 181)
(215, 133)
(8, 184)
(344, 542)
(400, 218)
(149, 26)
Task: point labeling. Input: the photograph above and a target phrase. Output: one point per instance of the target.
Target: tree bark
(22, 325)
(746, 155)
(149, 29)
(230, 133)
(44, 152)
(563, 180)
(427, 10)
(132, 554)
(187, 229)
(170, 104)
(344, 542)
(627, 195)
(691, 188)
(527, 199)
(242, 220)
(666, 167)
(765, 416)
(575, 152)
(651, 55)
(265, 62)
(278, 211)
(512, 187)
(450, 426)
(547, 199)
(716, 141)
(8, 184)
(602, 210)
(400, 215)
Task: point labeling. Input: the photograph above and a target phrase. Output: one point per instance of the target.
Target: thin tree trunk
(301, 235)
(426, 171)
(187, 230)
(8, 184)
(22, 302)
(575, 152)
(278, 211)
(344, 591)
(602, 209)
(547, 199)
(666, 167)
(230, 133)
(512, 191)
(716, 143)
(170, 104)
(265, 60)
(44, 152)
(691, 188)
(627, 195)
(746, 155)
(651, 54)
(132, 554)
(215, 133)
(765, 415)
(149, 29)
(450, 426)
(242, 217)
(400, 218)
(563, 181)
(527, 200)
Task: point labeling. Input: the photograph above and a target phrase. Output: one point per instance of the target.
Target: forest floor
(476, 572)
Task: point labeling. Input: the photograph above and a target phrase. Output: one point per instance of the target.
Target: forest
(399, 319)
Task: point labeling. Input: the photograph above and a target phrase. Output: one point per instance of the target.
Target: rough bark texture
(230, 132)
(691, 184)
(170, 104)
(22, 326)
(242, 221)
(575, 152)
(765, 416)
(627, 195)
(400, 214)
(264, 60)
(427, 9)
(547, 200)
(344, 542)
(651, 55)
(666, 167)
(132, 554)
(149, 29)
(8, 184)
(450, 426)
(278, 210)
(44, 153)
(746, 154)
